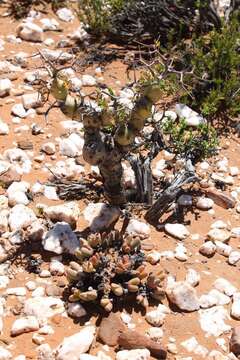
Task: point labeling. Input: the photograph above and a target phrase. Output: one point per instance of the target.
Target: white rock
(100, 216)
(156, 317)
(76, 344)
(56, 268)
(44, 274)
(223, 249)
(24, 325)
(46, 330)
(4, 221)
(178, 231)
(219, 224)
(129, 179)
(155, 333)
(16, 193)
(50, 192)
(192, 277)
(18, 110)
(19, 159)
(184, 296)
(36, 230)
(30, 32)
(235, 232)
(137, 354)
(53, 55)
(208, 248)
(30, 285)
(235, 310)
(234, 171)
(71, 146)
(5, 354)
(76, 84)
(139, 228)
(18, 291)
(5, 87)
(153, 257)
(20, 357)
(38, 339)
(192, 345)
(204, 203)
(207, 301)
(43, 307)
(88, 357)
(61, 239)
(88, 80)
(191, 117)
(212, 321)
(181, 252)
(234, 257)
(4, 129)
(220, 298)
(67, 212)
(219, 235)
(44, 352)
(49, 24)
(20, 217)
(3, 200)
(65, 14)
(38, 292)
(32, 100)
(4, 281)
(48, 148)
(225, 286)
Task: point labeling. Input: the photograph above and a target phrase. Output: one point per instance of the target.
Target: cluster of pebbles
(199, 315)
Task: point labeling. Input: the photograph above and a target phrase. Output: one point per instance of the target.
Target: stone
(88, 80)
(20, 217)
(130, 340)
(56, 268)
(20, 160)
(38, 339)
(18, 110)
(110, 329)
(192, 345)
(234, 257)
(5, 87)
(219, 235)
(235, 310)
(5, 354)
(44, 352)
(76, 344)
(18, 291)
(8, 174)
(219, 224)
(48, 148)
(53, 290)
(4, 129)
(61, 239)
(67, 212)
(76, 310)
(138, 354)
(101, 216)
(223, 249)
(225, 286)
(208, 249)
(178, 231)
(49, 24)
(191, 117)
(184, 296)
(32, 100)
(50, 192)
(234, 343)
(24, 325)
(17, 193)
(65, 14)
(156, 317)
(3, 221)
(36, 230)
(71, 146)
(212, 321)
(220, 298)
(192, 277)
(43, 307)
(155, 333)
(30, 32)
(204, 203)
(139, 228)
(181, 252)
(220, 198)
(153, 257)
(185, 200)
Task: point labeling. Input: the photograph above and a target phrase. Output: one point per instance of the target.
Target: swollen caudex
(101, 148)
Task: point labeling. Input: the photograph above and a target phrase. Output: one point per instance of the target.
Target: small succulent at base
(111, 266)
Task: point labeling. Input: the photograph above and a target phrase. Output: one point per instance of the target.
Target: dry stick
(169, 195)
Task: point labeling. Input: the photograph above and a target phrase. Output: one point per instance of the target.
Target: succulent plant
(110, 266)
